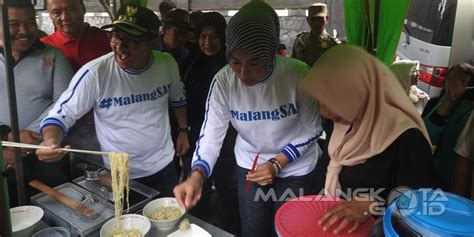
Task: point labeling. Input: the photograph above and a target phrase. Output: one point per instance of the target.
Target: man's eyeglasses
(116, 38)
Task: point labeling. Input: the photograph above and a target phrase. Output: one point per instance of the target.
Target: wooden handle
(71, 203)
(55, 194)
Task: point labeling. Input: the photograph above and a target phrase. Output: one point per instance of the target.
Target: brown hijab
(362, 90)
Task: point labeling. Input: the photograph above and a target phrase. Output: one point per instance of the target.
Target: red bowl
(298, 218)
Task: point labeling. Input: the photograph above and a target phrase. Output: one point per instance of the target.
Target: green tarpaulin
(375, 25)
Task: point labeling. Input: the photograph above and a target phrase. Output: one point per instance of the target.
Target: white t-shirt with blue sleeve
(130, 108)
(270, 117)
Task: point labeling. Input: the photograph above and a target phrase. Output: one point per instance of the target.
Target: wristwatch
(185, 130)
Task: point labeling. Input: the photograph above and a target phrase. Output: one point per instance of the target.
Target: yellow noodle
(184, 224)
(165, 213)
(119, 171)
(126, 233)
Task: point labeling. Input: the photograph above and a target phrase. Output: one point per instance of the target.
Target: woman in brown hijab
(379, 141)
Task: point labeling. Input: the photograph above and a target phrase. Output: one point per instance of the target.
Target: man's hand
(53, 153)
(189, 192)
(182, 144)
(28, 137)
(52, 136)
(8, 156)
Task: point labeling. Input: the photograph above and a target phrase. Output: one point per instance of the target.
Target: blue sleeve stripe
(198, 143)
(73, 91)
(176, 104)
(294, 150)
(52, 122)
(204, 165)
(311, 140)
(291, 152)
(288, 155)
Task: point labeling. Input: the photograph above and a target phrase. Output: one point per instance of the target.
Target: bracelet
(185, 130)
(277, 164)
(274, 160)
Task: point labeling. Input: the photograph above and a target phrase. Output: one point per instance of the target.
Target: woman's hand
(189, 192)
(353, 212)
(263, 174)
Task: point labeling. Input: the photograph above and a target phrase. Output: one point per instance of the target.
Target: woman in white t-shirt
(277, 124)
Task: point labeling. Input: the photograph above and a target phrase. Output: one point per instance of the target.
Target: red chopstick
(247, 183)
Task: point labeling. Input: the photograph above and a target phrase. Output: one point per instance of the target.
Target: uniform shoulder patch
(301, 34)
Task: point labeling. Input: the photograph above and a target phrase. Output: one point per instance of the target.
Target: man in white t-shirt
(129, 91)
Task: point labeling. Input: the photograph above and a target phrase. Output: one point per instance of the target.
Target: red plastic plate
(298, 218)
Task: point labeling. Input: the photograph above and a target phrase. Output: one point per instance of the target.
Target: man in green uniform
(309, 46)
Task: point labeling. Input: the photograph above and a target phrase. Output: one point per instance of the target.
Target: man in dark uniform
(309, 46)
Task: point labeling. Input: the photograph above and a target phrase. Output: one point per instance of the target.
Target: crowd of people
(203, 104)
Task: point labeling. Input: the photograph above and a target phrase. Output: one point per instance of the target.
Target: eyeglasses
(127, 42)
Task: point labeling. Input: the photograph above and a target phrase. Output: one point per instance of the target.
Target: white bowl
(53, 232)
(24, 219)
(162, 202)
(127, 222)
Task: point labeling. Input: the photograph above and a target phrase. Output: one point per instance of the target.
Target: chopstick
(247, 183)
(30, 146)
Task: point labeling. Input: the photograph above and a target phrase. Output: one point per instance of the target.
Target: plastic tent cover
(376, 30)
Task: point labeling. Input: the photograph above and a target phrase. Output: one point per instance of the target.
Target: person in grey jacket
(41, 74)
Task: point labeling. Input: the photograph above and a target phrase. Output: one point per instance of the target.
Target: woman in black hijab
(197, 79)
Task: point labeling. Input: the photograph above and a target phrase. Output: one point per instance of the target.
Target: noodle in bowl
(163, 213)
(127, 226)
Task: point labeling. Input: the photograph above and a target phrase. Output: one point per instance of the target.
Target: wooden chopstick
(30, 146)
(247, 183)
